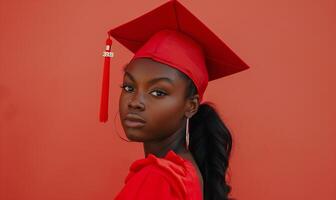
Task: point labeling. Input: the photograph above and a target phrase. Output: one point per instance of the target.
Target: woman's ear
(192, 106)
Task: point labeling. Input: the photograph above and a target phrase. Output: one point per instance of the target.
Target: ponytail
(210, 144)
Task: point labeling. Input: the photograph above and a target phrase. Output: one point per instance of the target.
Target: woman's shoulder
(171, 171)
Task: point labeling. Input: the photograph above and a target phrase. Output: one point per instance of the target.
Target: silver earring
(187, 133)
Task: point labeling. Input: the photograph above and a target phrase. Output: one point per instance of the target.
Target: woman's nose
(136, 102)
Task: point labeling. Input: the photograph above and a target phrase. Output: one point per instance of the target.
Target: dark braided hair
(210, 144)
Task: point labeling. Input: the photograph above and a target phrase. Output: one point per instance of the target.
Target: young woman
(187, 146)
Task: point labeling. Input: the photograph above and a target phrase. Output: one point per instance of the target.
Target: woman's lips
(133, 124)
(134, 121)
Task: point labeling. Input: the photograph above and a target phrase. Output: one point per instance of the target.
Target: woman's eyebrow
(152, 81)
(129, 75)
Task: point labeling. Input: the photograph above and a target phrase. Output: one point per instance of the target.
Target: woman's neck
(175, 142)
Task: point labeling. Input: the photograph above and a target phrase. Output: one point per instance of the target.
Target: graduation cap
(172, 35)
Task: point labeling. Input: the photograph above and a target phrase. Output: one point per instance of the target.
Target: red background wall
(281, 111)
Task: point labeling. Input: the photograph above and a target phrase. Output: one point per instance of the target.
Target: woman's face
(154, 92)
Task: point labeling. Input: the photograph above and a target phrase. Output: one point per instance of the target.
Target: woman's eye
(127, 88)
(158, 93)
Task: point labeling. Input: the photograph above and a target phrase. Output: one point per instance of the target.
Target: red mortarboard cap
(172, 35)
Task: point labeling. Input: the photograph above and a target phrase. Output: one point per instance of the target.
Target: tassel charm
(103, 116)
(108, 52)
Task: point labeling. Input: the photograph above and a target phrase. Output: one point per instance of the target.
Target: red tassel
(106, 82)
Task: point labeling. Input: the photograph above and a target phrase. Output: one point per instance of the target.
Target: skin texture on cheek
(164, 115)
(165, 121)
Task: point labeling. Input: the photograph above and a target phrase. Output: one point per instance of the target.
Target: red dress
(153, 178)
